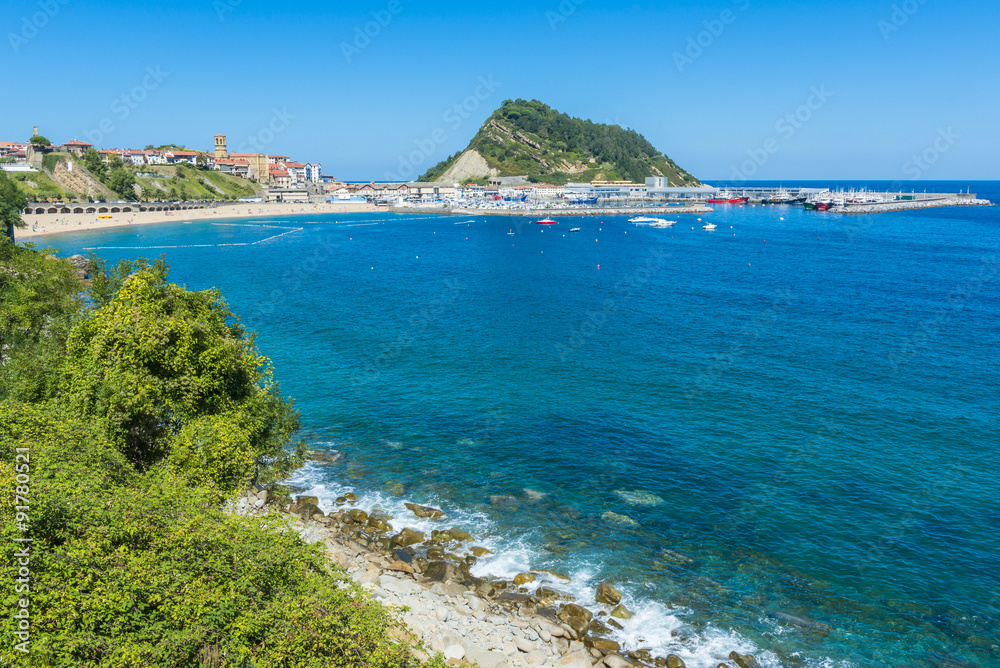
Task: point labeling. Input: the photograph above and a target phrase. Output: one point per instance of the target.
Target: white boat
(511, 233)
(642, 220)
(659, 222)
(575, 229)
(708, 226)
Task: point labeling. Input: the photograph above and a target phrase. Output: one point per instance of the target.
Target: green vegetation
(39, 140)
(136, 411)
(12, 202)
(50, 160)
(531, 138)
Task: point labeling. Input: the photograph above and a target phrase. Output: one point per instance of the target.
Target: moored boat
(709, 226)
(546, 221)
(729, 200)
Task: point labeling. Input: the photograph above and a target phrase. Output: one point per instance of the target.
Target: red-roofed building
(280, 178)
(77, 147)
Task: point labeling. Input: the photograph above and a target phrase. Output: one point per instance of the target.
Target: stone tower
(34, 131)
(220, 147)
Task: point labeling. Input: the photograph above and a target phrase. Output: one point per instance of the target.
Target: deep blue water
(806, 409)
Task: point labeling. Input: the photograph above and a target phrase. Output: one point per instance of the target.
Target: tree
(12, 202)
(122, 182)
(39, 140)
(172, 380)
(95, 164)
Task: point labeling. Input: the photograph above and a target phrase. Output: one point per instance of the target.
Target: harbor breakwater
(888, 207)
(472, 621)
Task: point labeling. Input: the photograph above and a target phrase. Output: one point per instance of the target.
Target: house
(280, 178)
(288, 195)
(8, 148)
(77, 147)
(175, 157)
(431, 191)
(313, 170)
(134, 157)
(296, 170)
(237, 167)
(277, 159)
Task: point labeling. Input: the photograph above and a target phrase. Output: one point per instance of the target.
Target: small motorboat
(546, 221)
(660, 223)
(642, 220)
(708, 226)
(575, 229)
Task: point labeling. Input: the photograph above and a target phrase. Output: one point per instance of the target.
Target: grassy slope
(538, 141)
(190, 184)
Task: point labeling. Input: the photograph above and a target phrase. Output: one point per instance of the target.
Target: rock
(533, 496)
(677, 557)
(545, 635)
(459, 535)
(408, 537)
(639, 497)
(577, 659)
(358, 515)
(307, 510)
(442, 571)
(818, 627)
(615, 625)
(523, 578)
(425, 511)
(325, 456)
(402, 555)
(486, 659)
(503, 501)
(744, 660)
(351, 497)
(456, 652)
(578, 624)
(621, 612)
(523, 645)
(259, 503)
(596, 628)
(301, 500)
(674, 661)
(616, 661)
(574, 610)
(400, 567)
(619, 519)
(608, 595)
(552, 594)
(479, 551)
(603, 646)
(555, 574)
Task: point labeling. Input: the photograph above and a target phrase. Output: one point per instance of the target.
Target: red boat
(546, 221)
(734, 200)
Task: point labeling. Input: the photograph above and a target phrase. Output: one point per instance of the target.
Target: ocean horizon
(777, 437)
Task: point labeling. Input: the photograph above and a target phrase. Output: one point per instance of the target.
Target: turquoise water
(792, 417)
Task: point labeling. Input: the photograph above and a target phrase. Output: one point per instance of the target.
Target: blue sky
(868, 85)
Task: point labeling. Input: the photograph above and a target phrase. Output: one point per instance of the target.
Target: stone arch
(78, 209)
(91, 209)
(53, 210)
(126, 209)
(115, 209)
(103, 209)
(65, 209)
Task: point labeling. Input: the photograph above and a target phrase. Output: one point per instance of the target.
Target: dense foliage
(12, 202)
(39, 140)
(530, 138)
(155, 406)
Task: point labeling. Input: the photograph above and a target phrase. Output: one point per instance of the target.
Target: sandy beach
(39, 225)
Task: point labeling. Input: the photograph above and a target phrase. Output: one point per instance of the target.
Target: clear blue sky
(901, 75)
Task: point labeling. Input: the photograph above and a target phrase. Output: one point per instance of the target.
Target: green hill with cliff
(529, 138)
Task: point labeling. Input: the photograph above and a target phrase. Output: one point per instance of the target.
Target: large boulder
(425, 511)
(307, 510)
(743, 660)
(621, 612)
(408, 537)
(674, 661)
(442, 571)
(608, 595)
(523, 578)
(574, 610)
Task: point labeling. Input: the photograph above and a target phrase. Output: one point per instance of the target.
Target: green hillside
(532, 139)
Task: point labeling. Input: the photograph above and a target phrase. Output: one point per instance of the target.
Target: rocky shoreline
(472, 621)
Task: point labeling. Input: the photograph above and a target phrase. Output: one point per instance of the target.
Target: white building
(313, 172)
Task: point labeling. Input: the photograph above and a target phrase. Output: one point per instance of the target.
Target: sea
(779, 437)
